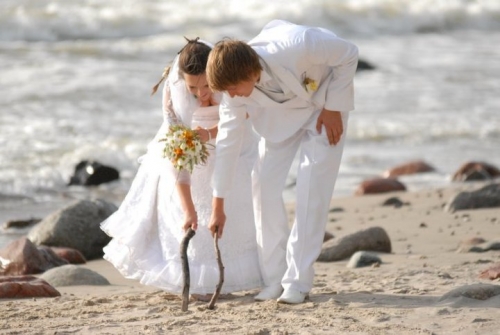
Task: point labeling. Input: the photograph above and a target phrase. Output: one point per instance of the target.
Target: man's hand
(332, 120)
(218, 218)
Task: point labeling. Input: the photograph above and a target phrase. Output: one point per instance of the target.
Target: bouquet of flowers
(184, 148)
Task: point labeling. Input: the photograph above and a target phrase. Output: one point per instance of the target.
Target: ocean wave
(57, 20)
(414, 134)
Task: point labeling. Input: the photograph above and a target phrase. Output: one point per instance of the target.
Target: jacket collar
(282, 73)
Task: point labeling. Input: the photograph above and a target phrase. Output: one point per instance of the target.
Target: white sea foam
(76, 79)
(49, 20)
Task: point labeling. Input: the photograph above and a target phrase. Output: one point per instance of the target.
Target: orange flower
(188, 135)
(178, 152)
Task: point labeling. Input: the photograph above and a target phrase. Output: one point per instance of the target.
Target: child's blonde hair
(231, 62)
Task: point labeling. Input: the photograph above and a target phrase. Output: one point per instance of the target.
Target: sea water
(76, 76)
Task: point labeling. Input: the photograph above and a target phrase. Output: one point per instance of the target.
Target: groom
(295, 83)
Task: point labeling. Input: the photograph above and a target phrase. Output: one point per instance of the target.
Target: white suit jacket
(293, 53)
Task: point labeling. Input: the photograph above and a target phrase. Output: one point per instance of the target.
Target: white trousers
(288, 257)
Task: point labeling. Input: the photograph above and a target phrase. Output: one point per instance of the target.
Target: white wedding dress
(146, 230)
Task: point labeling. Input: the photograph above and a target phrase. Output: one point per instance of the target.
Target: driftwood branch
(218, 288)
(185, 267)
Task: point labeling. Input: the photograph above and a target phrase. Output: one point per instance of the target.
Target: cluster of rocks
(388, 182)
(364, 247)
(54, 247)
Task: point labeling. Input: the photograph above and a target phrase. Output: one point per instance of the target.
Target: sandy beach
(76, 86)
(400, 296)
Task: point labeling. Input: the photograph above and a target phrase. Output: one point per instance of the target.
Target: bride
(162, 202)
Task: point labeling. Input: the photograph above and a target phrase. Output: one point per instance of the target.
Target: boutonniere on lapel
(310, 84)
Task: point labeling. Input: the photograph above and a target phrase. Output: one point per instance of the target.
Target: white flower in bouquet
(183, 147)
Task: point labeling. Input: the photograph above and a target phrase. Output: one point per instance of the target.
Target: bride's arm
(183, 177)
(169, 114)
(190, 216)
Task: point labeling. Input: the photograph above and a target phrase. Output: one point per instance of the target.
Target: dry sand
(401, 296)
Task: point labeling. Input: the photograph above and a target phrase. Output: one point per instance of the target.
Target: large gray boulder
(371, 239)
(485, 197)
(76, 226)
(71, 275)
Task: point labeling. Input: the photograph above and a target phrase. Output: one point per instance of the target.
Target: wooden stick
(218, 288)
(185, 267)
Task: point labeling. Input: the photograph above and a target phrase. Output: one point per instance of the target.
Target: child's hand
(218, 217)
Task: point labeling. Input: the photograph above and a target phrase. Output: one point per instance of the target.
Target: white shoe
(269, 293)
(292, 296)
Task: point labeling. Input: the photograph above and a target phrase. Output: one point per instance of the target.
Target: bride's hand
(190, 220)
(203, 133)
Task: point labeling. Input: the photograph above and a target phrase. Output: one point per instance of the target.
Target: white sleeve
(228, 144)
(325, 48)
(171, 118)
(169, 115)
